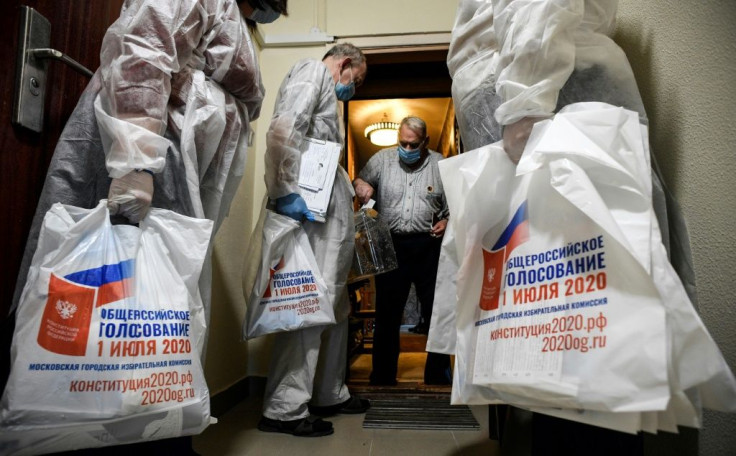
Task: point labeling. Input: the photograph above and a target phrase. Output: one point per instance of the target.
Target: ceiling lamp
(383, 133)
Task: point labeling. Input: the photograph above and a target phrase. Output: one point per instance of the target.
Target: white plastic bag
(565, 295)
(106, 349)
(288, 291)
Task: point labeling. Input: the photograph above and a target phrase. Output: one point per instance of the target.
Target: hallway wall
(684, 58)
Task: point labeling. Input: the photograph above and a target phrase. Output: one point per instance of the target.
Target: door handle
(33, 54)
(53, 54)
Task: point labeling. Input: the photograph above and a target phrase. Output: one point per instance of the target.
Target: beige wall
(349, 18)
(684, 58)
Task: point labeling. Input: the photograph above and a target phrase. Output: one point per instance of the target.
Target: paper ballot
(317, 174)
(369, 205)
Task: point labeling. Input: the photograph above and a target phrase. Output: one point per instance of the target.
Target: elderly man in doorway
(405, 183)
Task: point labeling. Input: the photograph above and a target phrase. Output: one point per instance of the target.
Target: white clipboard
(317, 174)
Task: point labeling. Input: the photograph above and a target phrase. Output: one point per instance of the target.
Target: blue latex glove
(294, 206)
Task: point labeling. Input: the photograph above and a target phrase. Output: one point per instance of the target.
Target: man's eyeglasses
(410, 145)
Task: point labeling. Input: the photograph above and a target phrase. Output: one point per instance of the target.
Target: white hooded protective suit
(511, 59)
(309, 364)
(177, 86)
(522, 58)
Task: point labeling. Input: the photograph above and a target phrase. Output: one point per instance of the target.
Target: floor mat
(417, 413)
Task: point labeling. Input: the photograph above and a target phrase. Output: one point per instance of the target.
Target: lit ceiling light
(383, 133)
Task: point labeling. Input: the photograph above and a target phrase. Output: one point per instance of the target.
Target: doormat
(419, 413)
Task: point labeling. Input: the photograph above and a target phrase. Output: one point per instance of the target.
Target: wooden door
(77, 28)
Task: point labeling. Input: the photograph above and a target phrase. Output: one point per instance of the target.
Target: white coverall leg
(309, 364)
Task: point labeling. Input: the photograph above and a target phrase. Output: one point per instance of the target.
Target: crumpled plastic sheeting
(528, 58)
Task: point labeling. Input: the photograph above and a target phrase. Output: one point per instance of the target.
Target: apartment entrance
(400, 82)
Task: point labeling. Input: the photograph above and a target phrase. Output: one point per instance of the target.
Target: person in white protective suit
(165, 119)
(515, 62)
(307, 371)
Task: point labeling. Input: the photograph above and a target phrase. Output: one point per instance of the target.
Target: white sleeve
(537, 54)
(297, 99)
(148, 43)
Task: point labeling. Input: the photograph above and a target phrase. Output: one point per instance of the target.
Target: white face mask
(264, 16)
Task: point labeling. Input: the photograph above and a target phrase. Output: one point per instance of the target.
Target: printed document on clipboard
(317, 174)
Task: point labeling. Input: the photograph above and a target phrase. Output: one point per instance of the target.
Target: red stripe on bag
(516, 233)
(521, 235)
(271, 272)
(114, 291)
(66, 318)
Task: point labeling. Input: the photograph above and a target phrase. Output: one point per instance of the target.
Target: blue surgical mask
(264, 16)
(345, 92)
(410, 156)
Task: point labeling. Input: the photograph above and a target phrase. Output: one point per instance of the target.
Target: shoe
(421, 328)
(353, 406)
(310, 426)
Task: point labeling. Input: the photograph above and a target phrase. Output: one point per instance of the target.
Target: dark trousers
(417, 256)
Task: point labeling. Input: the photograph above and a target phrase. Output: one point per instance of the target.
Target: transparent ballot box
(374, 250)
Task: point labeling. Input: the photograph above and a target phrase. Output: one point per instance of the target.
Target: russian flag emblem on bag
(516, 233)
(271, 272)
(71, 300)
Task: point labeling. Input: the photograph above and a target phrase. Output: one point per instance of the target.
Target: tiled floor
(236, 432)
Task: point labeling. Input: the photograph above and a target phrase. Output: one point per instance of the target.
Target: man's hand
(131, 195)
(294, 206)
(515, 136)
(438, 229)
(363, 190)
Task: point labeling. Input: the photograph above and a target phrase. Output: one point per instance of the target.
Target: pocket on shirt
(434, 198)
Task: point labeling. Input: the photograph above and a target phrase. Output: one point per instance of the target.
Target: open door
(400, 82)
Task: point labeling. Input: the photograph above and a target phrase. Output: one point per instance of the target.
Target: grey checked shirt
(406, 199)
